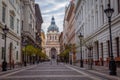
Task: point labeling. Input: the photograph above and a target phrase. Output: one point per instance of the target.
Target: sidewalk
(101, 69)
(17, 67)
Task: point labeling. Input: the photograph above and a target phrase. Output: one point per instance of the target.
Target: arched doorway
(53, 53)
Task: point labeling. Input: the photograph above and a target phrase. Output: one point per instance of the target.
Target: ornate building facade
(43, 40)
(92, 22)
(10, 16)
(69, 30)
(52, 41)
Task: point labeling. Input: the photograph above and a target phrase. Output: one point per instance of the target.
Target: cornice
(10, 32)
(115, 20)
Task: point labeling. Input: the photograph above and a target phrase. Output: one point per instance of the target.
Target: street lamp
(81, 61)
(25, 55)
(112, 65)
(4, 63)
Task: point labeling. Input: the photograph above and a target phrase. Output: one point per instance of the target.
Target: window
(30, 16)
(102, 14)
(3, 13)
(2, 57)
(17, 25)
(16, 55)
(50, 37)
(3, 36)
(96, 17)
(22, 25)
(108, 44)
(11, 22)
(117, 46)
(102, 53)
(55, 38)
(102, 49)
(11, 1)
(97, 44)
(118, 6)
(17, 43)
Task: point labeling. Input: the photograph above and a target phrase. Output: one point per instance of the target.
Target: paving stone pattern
(48, 71)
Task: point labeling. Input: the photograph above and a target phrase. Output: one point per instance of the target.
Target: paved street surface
(52, 71)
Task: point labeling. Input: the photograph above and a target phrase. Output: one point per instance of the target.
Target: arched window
(50, 37)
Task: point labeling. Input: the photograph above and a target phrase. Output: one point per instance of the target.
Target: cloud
(51, 8)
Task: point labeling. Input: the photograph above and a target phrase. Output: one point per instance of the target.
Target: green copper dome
(53, 26)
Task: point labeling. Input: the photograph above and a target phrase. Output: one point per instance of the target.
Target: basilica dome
(53, 27)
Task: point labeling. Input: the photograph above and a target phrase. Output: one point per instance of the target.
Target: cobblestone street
(51, 71)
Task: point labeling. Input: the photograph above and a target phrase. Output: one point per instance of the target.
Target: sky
(51, 8)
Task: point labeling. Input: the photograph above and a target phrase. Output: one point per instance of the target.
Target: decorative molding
(104, 27)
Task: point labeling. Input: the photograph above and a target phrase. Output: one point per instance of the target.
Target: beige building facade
(43, 42)
(92, 22)
(10, 16)
(28, 27)
(52, 42)
(69, 29)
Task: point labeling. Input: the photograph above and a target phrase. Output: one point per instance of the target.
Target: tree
(64, 56)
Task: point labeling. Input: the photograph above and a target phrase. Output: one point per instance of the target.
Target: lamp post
(112, 65)
(25, 44)
(4, 63)
(81, 61)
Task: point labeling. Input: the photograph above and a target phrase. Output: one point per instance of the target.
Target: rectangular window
(2, 56)
(50, 37)
(102, 14)
(97, 49)
(11, 1)
(17, 25)
(102, 54)
(102, 50)
(22, 24)
(117, 46)
(118, 6)
(108, 44)
(17, 43)
(3, 36)
(16, 55)
(11, 22)
(96, 18)
(3, 13)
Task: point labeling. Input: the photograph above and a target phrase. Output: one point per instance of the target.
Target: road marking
(45, 76)
(50, 70)
(85, 74)
(115, 77)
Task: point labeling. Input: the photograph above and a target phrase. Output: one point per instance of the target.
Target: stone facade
(28, 20)
(10, 16)
(43, 40)
(61, 42)
(28, 25)
(69, 28)
(93, 23)
(52, 41)
(39, 22)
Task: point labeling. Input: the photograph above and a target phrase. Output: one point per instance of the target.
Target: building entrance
(53, 53)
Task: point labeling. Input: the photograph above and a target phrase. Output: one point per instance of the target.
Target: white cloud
(51, 8)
